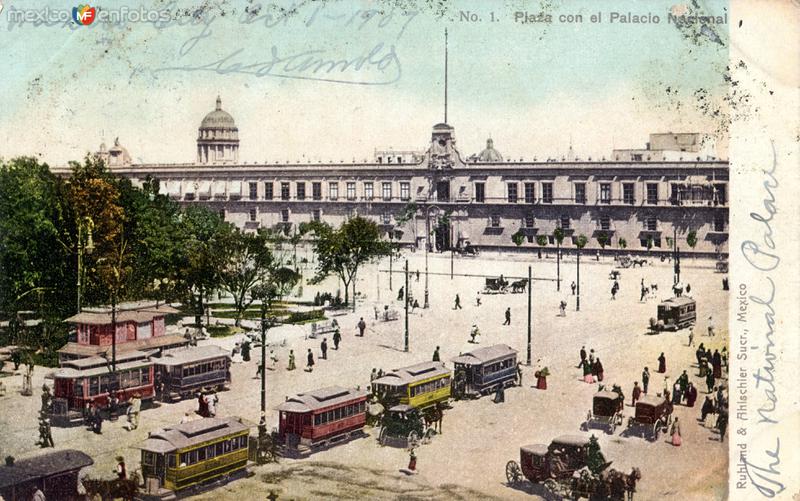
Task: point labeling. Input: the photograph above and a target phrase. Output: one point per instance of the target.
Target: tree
(342, 251)
(542, 241)
(284, 279)
(603, 239)
(518, 238)
(691, 239)
(246, 261)
(581, 241)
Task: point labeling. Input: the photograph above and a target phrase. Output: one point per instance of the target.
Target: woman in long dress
(691, 395)
(587, 373)
(662, 363)
(676, 433)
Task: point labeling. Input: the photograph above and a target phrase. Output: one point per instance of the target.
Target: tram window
(192, 457)
(147, 458)
(93, 386)
(242, 441)
(146, 375)
(78, 388)
(234, 444)
(210, 452)
(362, 407)
(201, 454)
(171, 461)
(226, 446)
(184, 458)
(317, 420)
(104, 384)
(220, 450)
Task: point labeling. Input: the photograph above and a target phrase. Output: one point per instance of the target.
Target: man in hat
(436, 354)
(133, 411)
(337, 338)
(292, 365)
(324, 348)
(121, 471)
(508, 317)
(474, 333)
(362, 325)
(309, 361)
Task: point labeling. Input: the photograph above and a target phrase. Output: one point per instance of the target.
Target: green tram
(189, 454)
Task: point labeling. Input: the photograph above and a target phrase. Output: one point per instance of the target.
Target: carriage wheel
(382, 436)
(429, 433)
(656, 431)
(413, 439)
(612, 427)
(513, 472)
(552, 486)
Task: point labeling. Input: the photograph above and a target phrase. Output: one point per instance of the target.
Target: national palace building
(673, 186)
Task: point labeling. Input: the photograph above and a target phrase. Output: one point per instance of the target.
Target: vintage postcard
(399, 250)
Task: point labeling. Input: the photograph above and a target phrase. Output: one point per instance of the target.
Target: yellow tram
(418, 386)
(188, 454)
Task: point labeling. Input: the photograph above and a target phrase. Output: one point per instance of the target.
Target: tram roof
(321, 398)
(90, 362)
(43, 466)
(413, 373)
(104, 318)
(185, 435)
(70, 372)
(150, 343)
(191, 354)
(485, 355)
(677, 301)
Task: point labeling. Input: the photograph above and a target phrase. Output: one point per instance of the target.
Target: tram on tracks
(185, 371)
(82, 383)
(419, 386)
(320, 418)
(187, 455)
(480, 372)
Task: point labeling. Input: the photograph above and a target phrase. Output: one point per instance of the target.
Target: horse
(640, 262)
(519, 286)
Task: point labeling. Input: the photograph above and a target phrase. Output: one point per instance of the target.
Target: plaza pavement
(468, 460)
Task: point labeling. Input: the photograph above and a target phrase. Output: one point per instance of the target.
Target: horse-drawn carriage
(674, 314)
(606, 410)
(323, 327)
(571, 467)
(722, 266)
(495, 286)
(467, 250)
(408, 426)
(653, 415)
(631, 262)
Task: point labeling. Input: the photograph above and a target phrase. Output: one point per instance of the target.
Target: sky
(534, 88)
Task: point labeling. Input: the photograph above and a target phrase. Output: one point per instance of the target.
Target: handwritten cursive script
(763, 478)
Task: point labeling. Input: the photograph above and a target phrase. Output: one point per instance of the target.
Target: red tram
(317, 419)
(81, 383)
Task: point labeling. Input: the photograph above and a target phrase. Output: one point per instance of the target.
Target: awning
(235, 188)
(172, 188)
(188, 187)
(204, 189)
(219, 188)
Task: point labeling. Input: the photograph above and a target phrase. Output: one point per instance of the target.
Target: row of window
(333, 190)
(430, 386)
(208, 452)
(129, 378)
(339, 413)
(203, 367)
(499, 366)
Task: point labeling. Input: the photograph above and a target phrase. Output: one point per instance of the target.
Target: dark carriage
(468, 250)
(186, 371)
(606, 410)
(481, 371)
(495, 286)
(653, 416)
(405, 426)
(674, 314)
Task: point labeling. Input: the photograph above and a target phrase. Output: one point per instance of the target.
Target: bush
(300, 317)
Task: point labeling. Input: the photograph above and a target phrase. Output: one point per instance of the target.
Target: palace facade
(639, 199)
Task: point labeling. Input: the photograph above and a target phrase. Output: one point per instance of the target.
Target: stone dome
(218, 119)
(490, 154)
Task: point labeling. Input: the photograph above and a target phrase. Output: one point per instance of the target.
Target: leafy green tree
(603, 239)
(284, 279)
(246, 261)
(518, 238)
(691, 239)
(541, 240)
(341, 251)
(581, 241)
(558, 235)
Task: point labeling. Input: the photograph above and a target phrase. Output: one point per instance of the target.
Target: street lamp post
(406, 312)
(85, 224)
(578, 297)
(391, 252)
(427, 245)
(530, 313)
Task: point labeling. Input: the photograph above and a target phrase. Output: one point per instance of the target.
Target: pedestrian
(324, 348)
(573, 287)
(415, 305)
(583, 357)
(706, 409)
(478, 299)
(374, 375)
(662, 363)
(291, 361)
(720, 398)
(716, 363)
(362, 325)
(212, 400)
(122, 472)
(562, 306)
(637, 393)
(710, 379)
(45, 433)
(643, 293)
(274, 359)
(541, 376)
(474, 333)
(519, 373)
(375, 309)
(591, 357)
(598, 369)
(691, 336)
(97, 420)
(400, 294)
(246, 351)
(683, 381)
(457, 305)
(37, 495)
(722, 424)
(676, 433)
(259, 369)
(677, 395)
(134, 410)
(500, 394)
(508, 317)
(337, 338)
(417, 275)
(436, 354)
(614, 289)
(688, 288)
(645, 379)
(202, 405)
(691, 395)
(412, 461)
(587, 373)
(309, 361)
(710, 326)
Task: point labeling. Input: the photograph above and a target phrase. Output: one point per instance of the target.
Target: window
(368, 193)
(386, 191)
(333, 190)
(564, 223)
(387, 218)
(675, 197)
(529, 221)
(253, 189)
(351, 191)
(284, 215)
(315, 215)
(719, 194)
(495, 221)
(605, 223)
(268, 193)
(605, 193)
(189, 197)
(405, 191)
(316, 191)
(627, 193)
(284, 191)
(547, 193)
(580, 193)
(719, 223)
(636, 157)
(530, 193)
(651, 223)
(301, 191)
(652, 193)
(252, 214)
(512, 193)
(480, 192)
